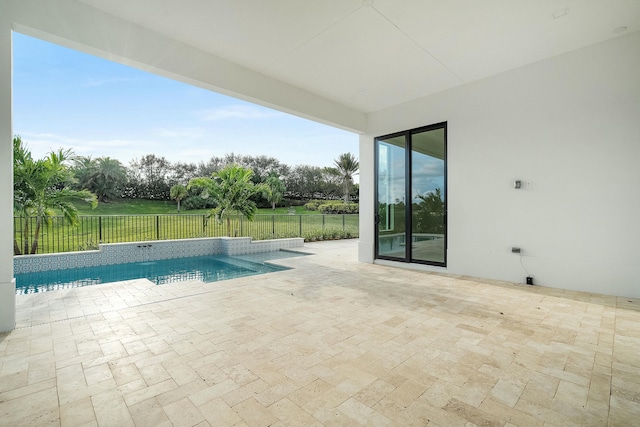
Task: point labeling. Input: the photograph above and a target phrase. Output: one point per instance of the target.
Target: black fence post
(300, 217)
(41, 238)
(100, 229)
(157, 227)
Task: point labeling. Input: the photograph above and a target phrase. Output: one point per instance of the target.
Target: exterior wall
(7, 283)
(118, 253)
(367, 209)
(569, 126)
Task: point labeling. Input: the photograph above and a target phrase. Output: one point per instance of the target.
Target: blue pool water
(210, 268)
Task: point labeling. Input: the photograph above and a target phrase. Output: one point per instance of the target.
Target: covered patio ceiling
(333, 61)
(368, 55)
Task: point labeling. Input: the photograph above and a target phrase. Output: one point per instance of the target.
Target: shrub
(265, 235)
(336, 207)
(90, 245)
(329, 233)
(293, 202)
(197, 202)
(312, 205)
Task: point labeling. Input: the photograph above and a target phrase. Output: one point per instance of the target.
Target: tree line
(44, 187)
(152, 177)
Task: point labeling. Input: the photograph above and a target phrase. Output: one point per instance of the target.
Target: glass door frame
(408, 258)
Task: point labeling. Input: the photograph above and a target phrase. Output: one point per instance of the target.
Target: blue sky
(67, 99)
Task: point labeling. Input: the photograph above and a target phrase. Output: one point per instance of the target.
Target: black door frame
(408, 203)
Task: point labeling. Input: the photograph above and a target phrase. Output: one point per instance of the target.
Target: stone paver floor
(331, 342)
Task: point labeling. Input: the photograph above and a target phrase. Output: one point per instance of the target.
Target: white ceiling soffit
(372, 54)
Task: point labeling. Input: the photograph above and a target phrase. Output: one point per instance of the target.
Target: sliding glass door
(412, 228)
(391, 212)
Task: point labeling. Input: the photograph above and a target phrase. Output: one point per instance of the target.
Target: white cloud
(291, 146)
(241, 112)
(428, 167)
(40, 144)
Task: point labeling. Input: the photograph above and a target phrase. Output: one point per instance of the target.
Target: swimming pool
(211, 268)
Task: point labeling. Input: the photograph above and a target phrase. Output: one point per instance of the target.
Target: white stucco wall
(7, 284)
(570, 126)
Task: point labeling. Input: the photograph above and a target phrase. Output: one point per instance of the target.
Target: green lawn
(133, 207)
(297, 210)
(146, 207)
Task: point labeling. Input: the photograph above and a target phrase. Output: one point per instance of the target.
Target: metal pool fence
(92, 230)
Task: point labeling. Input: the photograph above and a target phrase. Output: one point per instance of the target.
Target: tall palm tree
(231, 189)
(429, 212)
(109, 177)
(346, 166)
(103, 176)
(40, 189)
(273, 189)
(177, 193)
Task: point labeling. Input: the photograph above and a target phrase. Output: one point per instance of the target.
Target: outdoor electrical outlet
(515, 250)
(529, 280)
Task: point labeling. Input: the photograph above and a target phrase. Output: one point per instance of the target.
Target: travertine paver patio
(332, 342)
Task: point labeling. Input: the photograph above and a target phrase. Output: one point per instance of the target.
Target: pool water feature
(210, 268)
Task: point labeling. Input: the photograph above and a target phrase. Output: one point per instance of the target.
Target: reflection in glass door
(427, 197)
(412, 163)
(391, 214)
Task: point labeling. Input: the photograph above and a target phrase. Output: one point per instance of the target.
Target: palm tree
(40, 189)
(429, 212)
(177, 193)
(346, 165)
(231, 189)
(273, 189)
(103, 176)
(110, 176)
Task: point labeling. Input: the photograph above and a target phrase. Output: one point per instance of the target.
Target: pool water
(210, 268)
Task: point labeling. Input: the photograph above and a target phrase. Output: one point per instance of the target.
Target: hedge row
(332, 207)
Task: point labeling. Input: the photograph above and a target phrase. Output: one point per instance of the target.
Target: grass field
(148, 207)
(144, 220)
